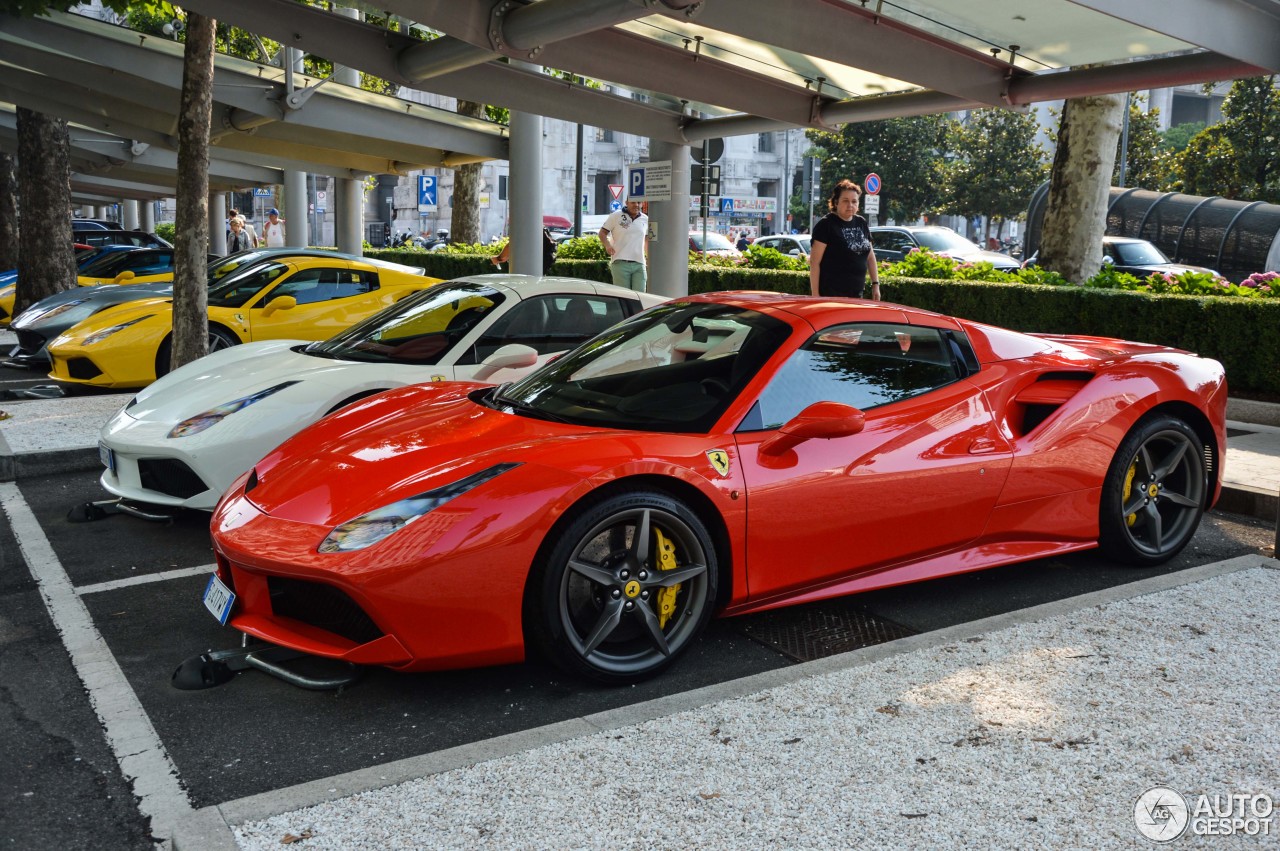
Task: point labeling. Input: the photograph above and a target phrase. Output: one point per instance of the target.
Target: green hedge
(1243, 334)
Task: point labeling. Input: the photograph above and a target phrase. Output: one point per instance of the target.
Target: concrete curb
(15, 466)
(1249, 411)
(210, 828)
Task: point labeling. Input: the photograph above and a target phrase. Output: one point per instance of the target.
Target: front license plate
(107, 456)
(218, 599)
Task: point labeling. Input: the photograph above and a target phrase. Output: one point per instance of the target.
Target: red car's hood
(393, 446)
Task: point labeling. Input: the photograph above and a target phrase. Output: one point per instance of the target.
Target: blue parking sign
(426, 190)
(636, 181)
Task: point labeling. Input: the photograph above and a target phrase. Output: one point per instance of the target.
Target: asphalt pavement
(1001, 693)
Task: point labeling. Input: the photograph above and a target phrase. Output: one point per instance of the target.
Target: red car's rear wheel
(1154, 493)
(627, 587)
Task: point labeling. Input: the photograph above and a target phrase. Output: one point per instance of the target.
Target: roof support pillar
(218, 223)
(148, 222)
(668, 272)
(526, 193)
(295, 208)
(350, 215)
(129, 214)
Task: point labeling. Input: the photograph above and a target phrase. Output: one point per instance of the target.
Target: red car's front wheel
(626, 588)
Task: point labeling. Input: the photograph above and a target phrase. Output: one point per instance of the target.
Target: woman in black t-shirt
(842, 256)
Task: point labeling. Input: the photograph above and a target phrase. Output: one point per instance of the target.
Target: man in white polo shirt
(625, 235)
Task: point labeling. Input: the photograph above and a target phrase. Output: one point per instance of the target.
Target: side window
(769, 243)
(554, 323)
(864, 365)
(152, 263)
(893, 241)
(311, 286)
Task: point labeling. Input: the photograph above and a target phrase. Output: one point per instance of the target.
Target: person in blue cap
(273, 229)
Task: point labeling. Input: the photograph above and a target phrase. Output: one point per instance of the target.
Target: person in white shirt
(273, 229)
(625, 235)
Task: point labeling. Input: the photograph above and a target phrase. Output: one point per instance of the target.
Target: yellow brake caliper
(666, 561)
(1128, 489)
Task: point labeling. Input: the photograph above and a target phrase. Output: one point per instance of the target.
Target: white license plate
(218, 599)
(107, 456)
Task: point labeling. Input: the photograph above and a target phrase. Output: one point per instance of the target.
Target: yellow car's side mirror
(284, 302)
(125, 277)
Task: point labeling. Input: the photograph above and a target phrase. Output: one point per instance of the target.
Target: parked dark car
(1137, 257)
(894, 243)
(140, 238)
(79, 225)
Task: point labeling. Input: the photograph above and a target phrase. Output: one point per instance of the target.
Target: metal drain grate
(818, 630)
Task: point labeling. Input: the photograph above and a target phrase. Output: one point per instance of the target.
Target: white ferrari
(183, 440)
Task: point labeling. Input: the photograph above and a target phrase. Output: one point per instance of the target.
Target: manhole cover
(815, 631)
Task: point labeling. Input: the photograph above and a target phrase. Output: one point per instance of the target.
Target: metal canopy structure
(120, 91)
(676, 71)
(755, 65)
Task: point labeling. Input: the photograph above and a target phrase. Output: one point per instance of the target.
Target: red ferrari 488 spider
(716, 455)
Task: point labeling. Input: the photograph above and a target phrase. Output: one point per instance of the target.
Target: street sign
(726, 205)
(615, 206)
(715, 150)
(871, 205)
(695, 179)
(261, 193)
(615, 191)
(649, 181)
(321, 196)
(426, 193)
(872, 184)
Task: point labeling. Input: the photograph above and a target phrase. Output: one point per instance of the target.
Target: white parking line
(129, 733)
(163, 576)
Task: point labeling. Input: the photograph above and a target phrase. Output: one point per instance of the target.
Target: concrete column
(524, 190)
(100, 213)
(668, 272)
(148, 222)
(349, 200)
(350, 215)
(295, 209)
(218, 223)
(129, 208)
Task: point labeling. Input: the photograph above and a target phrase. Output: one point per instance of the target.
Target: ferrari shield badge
(438, 378)
(720, 460)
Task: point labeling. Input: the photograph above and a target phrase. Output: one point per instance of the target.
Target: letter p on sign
(637, 182)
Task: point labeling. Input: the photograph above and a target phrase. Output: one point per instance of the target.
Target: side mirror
(284, 302)
(821, 420)
(1107, 261)
(510, 356)
(795, 252)
(125, 277)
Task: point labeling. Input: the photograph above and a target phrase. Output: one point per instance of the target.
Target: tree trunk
(46, 261)
(8, 213)
(464, 220)
(1076, 213)
(191, 237)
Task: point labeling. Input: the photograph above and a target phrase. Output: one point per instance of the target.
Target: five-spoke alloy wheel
(1154, 493)
(625, 589)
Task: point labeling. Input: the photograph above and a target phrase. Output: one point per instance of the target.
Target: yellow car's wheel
(219, 339)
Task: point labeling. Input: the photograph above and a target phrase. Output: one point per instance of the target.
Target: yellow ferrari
(295, 298)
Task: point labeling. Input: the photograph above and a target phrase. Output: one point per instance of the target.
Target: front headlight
(107, 332)
(368, 529)
(213, 416)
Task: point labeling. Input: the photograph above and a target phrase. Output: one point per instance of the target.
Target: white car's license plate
(218, 599)
(107, 456)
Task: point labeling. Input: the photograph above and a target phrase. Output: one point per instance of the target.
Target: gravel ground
(1041, 735)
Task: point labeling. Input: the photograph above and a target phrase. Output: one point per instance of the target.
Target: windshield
(1138, 253)
(715, 242)
(674, 368)
(244, 283)
(418, 330)
(945, 241)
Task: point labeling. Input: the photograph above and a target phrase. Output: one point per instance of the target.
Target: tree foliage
(906, 152)
(1239, 157)
(996, 164)
(1148, 162)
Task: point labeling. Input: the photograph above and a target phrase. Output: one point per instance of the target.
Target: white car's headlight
(368, 529)
(99, 336)
(213, 416)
